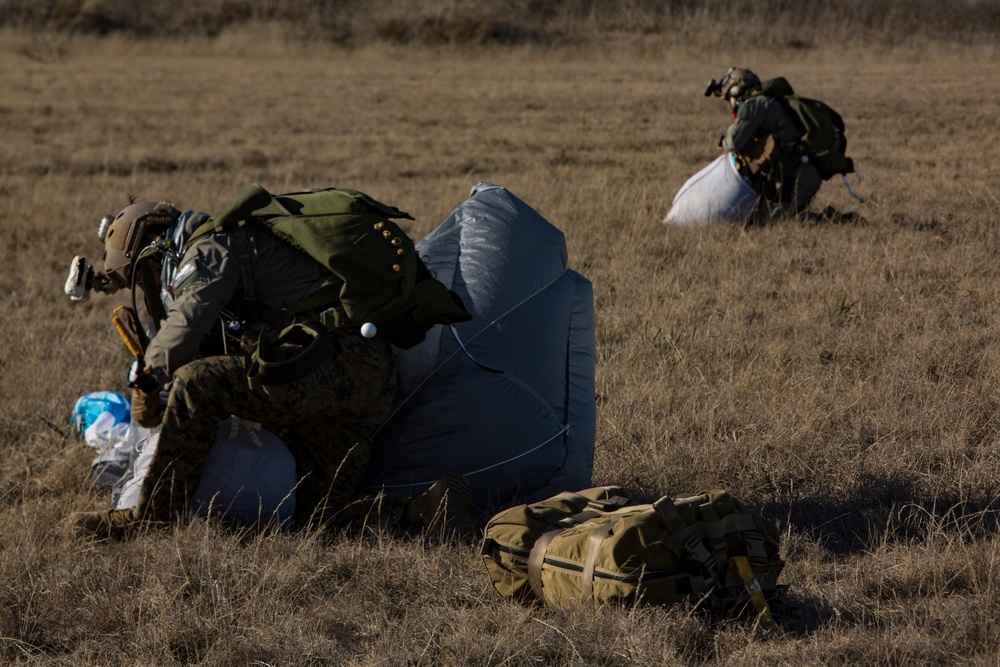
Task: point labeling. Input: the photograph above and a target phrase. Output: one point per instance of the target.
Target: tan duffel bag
(595, 547)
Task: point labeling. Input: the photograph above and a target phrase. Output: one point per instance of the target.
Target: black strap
(249, 294)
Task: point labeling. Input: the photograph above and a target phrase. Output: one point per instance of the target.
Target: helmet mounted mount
(738, 83)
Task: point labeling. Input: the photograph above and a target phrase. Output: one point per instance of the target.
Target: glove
(147, 410)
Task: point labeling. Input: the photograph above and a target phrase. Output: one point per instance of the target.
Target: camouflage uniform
(790, 184)
(329, 416)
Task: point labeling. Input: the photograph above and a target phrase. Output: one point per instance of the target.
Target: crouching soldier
(325, 390)
(766, 139)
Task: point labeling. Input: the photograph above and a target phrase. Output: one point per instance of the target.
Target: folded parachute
(507, 398)
(716, 194)
(249, 476)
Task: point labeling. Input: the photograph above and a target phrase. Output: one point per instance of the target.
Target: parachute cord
(406, 399)
(409, 485)
(849, 189)
(251, 428)
(458, 339)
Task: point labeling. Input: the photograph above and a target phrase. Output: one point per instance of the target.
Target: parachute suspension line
(851, 190)
(458, 339)
(450, 356)
(560, 433)
(508, 312)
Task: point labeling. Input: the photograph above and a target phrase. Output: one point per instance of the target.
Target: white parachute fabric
(510, 401)
(716, 194)
(249, 476)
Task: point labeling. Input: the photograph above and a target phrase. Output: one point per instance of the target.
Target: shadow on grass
(879, 511)
(886, 509)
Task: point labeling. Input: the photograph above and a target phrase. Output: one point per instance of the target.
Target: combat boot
(445, 507)
(114, 524)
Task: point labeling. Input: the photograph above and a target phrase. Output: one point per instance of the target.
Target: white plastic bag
(106, 431)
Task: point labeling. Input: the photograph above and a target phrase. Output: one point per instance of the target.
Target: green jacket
(759, 116)
(210, 278)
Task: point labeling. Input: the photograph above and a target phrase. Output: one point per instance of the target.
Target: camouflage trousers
(326, 418)
(789, 188)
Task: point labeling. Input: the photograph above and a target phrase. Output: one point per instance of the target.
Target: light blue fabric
(89, 407)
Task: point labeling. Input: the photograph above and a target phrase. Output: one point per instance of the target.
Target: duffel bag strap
(555, 516)
(667, 511)
(590, 563)
(683, 539)
(610, 504)
(537, 557)
(536, 560)
(559, 522)
(754, 592)
(756, 553)
(703, 508)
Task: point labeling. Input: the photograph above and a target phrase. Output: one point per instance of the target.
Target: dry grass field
(842, 377)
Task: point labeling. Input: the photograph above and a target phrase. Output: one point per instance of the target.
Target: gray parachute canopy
(510, 401)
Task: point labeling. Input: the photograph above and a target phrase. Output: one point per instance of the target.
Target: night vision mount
(83, 277)
(716, 88)
(713, 88)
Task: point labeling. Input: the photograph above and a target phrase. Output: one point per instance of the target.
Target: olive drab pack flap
(596, 547)
(822, 128)
(382, 278)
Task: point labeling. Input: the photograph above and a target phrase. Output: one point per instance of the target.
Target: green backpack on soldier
(382, 284)
(382, 280)
(596, 547)
(822, 128)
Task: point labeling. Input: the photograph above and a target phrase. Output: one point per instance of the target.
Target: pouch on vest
(760, 154)
(296, 351)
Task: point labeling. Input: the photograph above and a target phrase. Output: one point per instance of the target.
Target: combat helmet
(737, 83)
(128, 233)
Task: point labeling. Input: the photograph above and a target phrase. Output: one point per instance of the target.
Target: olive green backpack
(381, 278)
(822, 129)
(596, 547)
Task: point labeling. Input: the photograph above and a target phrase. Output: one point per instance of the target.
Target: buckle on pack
(332, 317)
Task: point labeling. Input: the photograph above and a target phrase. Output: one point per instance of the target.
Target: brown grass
(841, 377)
